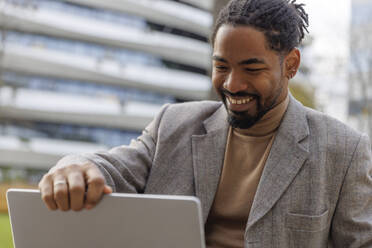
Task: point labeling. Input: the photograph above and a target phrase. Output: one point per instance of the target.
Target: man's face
(247, 75)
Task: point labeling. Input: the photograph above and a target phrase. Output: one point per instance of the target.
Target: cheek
(217, 80)
(263, 86)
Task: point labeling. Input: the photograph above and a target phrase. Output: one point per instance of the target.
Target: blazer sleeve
(352, 222)
(126, 168)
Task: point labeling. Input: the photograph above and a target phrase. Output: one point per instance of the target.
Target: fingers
(64, 188)
(46, 190)
(76, 190)
(96, 183)
(107, 189)
(60, 188)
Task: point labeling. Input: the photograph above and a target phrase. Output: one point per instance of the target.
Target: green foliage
(5, 232)
(305, 95)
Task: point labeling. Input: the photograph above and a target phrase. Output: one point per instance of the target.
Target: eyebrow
(244, 62)
(218, 58)
(252, 61)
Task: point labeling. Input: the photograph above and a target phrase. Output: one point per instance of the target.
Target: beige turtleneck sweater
(245, 157)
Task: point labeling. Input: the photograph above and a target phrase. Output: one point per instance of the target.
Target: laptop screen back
(119, 220)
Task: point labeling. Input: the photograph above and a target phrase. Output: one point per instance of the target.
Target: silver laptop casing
(119, 220)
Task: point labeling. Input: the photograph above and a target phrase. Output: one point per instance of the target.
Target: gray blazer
(315, 190)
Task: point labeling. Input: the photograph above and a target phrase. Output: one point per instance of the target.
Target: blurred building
(360, 74)
(80, 76)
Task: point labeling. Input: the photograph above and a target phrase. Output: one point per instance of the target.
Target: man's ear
(292, 63)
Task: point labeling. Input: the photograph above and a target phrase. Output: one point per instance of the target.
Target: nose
(234, 83)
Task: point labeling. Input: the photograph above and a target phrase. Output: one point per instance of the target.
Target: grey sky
(328, 55)
(329, 26)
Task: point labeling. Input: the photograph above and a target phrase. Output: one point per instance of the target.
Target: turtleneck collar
(268, 123)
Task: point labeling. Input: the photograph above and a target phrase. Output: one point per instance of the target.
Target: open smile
(239, 101)
(240, 104)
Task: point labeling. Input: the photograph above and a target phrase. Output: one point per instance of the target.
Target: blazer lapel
(287, 155)
(208, 154)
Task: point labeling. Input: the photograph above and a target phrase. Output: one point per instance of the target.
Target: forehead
(241, 42)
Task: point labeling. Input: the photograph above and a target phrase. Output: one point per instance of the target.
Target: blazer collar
(208, 155)
(294, 122)
(217, 121)
(288, 153)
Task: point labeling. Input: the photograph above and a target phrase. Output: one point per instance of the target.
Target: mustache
(237, 94)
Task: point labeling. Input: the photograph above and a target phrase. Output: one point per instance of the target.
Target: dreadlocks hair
(283, 22)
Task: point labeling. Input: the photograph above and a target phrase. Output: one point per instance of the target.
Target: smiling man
(268, 171)
(249, 76)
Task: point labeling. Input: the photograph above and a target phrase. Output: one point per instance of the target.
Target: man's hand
(73, 187)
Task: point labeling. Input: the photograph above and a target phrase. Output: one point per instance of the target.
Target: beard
(244, 120)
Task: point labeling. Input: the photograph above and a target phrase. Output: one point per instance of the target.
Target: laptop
(119, 220)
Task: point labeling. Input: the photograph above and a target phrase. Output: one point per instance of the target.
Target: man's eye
(253, 70)
(221, 68)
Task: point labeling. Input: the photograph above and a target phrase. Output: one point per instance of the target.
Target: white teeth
(240, 101)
